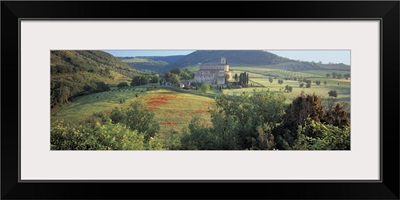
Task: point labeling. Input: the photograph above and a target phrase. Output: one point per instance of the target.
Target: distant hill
(154, 63)
(301, 66)
(74, 73)
(234, 57)
(258, 58)
(249, 58)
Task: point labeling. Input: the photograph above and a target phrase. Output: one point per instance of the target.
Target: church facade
(213, 73)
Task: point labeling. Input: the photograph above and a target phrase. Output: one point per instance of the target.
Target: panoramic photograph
(200, 100)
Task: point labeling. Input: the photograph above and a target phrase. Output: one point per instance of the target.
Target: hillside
(74, 73)
(252, 58)
(249, 58)
(302, 66)
(234, 57)
(153, 63)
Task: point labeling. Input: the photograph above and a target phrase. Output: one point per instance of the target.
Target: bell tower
(223, 60)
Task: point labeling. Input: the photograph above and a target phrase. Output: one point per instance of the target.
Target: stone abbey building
(213, 73)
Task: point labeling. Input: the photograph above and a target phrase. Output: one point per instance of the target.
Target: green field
(173, 109)
(259, 76)
(83, 107)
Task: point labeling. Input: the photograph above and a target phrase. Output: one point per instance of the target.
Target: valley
(179, 112)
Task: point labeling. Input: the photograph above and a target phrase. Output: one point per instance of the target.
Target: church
(213, 73)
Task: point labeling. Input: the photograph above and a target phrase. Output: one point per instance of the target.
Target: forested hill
(75, 73)
(154, 63)
(249, 58)
(234, 57)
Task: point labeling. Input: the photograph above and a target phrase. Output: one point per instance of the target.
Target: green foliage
(76, 73)
(122, 85)
(280, 81)
(99, 136)
(175, 71)
(154, 78)
(138, 118)
(175, 79)
(320, 136)
(205, 88)
(333, 93)
(288, 88)
(318, 82)
(238, 122)
(338, 116)
(124, 129)
(270, 79)
(139, 80)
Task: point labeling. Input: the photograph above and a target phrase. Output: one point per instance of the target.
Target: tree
(334, 75)
(244, 79)
(122, 85)
(175, 79)
(205, 88)
(175, 71)
(339, 76)
(139, 80)
(320, 136)
(185, 75)
(333, 93)
(346, 76)
(325, 83)
(236, 78)
(280, 81)
(101, 87)
(107, 132)
(328, 75)
(308, 84)
(227, 77)
(301, 85)
(297, 114)
(140, 119)
(154, 78)
(338, 116)
(270, 79)
(239, 122)
(318, 82)
(288, 88)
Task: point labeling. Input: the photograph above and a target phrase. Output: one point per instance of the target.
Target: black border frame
(387, 12)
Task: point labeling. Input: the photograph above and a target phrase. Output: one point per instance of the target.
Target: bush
(333, 93)
(238, 122)
(205, 88)
(124, 129)
(122, 85)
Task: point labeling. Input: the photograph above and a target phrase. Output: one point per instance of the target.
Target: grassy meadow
(173, 109)
(259, 77)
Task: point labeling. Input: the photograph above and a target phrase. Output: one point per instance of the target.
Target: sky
(325, 56)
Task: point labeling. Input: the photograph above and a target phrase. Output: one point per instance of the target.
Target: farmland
(173, 110)
(259, 78)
